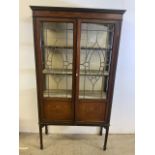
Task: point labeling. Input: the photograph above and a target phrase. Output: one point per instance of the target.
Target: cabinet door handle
(76, 74)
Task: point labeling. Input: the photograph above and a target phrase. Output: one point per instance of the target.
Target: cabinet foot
(101, 128)
(106, 138)
(46, 129)
(41, 138)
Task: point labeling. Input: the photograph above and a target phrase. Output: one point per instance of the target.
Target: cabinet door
(57, 46)
(96, 40)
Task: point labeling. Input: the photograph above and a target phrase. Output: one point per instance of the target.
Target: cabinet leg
(46, 129)
(101, 130)
(41, 138)
(106, 138)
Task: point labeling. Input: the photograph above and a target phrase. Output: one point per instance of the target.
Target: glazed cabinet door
(57, 69)
(95, 50)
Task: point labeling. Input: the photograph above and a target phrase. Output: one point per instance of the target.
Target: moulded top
(35, 8)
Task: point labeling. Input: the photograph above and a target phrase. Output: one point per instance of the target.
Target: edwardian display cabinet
(76, 52)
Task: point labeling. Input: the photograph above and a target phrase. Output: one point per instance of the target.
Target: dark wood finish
(106, 138)
(78, 33)
(46, 129)
(74, 111)
(68, 123)
(101, 128)
(90, 111)
(70, 9)
(113, 66)
(54, 110)
(77, 15)
(38, 66)
(74, 88)
(41, 137)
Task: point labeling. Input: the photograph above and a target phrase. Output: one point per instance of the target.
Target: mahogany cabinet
(76, 52)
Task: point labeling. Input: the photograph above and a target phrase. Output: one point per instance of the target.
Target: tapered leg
(101, 130)
(46, 129)
(41, 138)
(106, 137)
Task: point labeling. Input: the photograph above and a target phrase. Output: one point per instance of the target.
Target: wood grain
(90, 111)
(54, 110)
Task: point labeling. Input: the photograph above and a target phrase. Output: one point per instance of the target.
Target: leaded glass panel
(57, 48)
(95, 56)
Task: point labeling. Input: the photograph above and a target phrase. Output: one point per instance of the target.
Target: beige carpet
(76, 144)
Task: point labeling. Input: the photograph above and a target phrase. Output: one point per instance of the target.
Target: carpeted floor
(76, 144)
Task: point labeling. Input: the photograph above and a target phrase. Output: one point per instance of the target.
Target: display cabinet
(76, 52)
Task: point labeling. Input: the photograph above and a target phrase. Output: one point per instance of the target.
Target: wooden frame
(73, 114)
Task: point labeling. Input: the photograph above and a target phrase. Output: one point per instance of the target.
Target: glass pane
(95, 55)
(57, 47)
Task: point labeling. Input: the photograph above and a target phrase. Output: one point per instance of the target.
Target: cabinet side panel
(113, 67)
(35, 31)
(38, 65)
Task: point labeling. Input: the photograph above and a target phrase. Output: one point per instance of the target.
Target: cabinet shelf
(62, 93)
(71, 47)
(69, 72)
